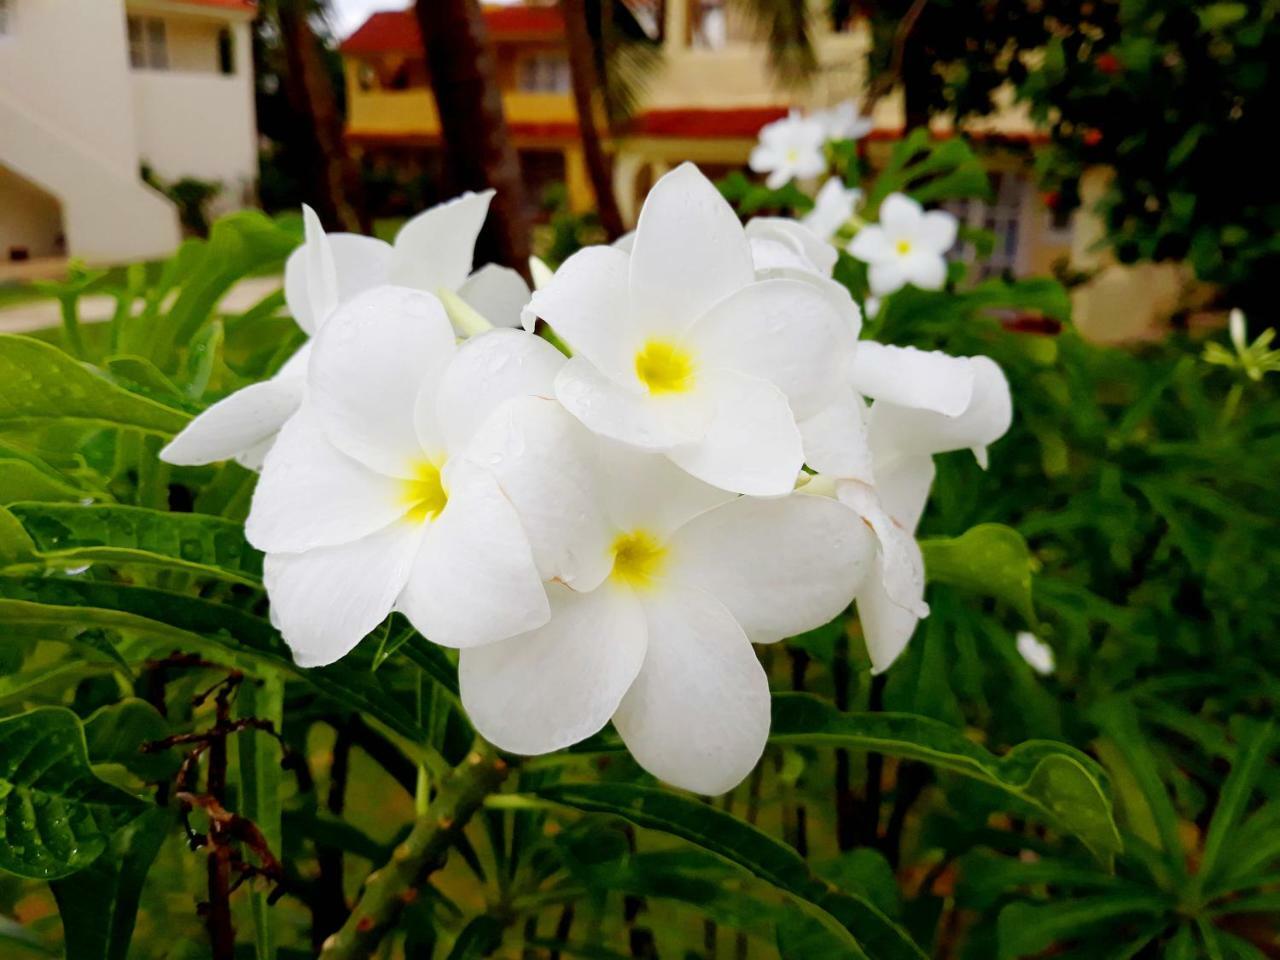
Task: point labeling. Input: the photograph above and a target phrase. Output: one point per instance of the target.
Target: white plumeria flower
(790, 149)
(1037, 653)
(784, 247)
(907, 246)
(679, 349)
(843, 121)
(432, 252)
(833, 207)
(880, 462)
(684, 577)
(368, 500)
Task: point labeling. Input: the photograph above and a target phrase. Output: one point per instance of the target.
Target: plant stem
(69, 306)
(389, 888)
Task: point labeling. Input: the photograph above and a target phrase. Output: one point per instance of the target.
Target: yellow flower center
(903, 247)
(638, 558)
(664, 368)
(793, 156)
(424, 496)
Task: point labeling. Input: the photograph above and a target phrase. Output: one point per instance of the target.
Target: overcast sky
(349, 14)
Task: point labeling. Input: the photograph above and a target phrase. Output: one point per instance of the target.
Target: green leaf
(15, 935)
(990, 559)
(15, 546)
(858, 925)
(44, 385)
(1251, 758)
(23, 480)
(115, 733)
(1059, 782)
(260, 790)
(479, 938)
(1027, 930)
(99, 905)
(159, 621)
(108, 533)
(57, 815)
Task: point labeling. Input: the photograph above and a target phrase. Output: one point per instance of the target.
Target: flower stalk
(394, 885)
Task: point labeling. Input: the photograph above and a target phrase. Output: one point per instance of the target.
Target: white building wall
(76, 122)
(200, 123)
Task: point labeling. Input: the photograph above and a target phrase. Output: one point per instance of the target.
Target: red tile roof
(713, 123)
(397, 31)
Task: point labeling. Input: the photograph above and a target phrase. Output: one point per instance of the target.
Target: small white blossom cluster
(907, 246)
(604, 536)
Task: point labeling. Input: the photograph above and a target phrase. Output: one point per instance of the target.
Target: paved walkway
(37, 314)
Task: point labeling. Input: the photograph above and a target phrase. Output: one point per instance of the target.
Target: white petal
(646, 491)
(324, 601)
(436, 248)
(886, 627)
(927, 270)
(697, 715)
(903, 431)
(585, 302)
(368, 365)
(907, 377)
(903, 486)
(497, 293)
(551, 688)
(816, 252)
(886, 277)
(631, 415)
(835, 438)
(1037, 653)
(832, 208)
(902, 564)
(785, 331)
(870, 245)
(310, 277)
(752, 444)
(781, 566)
(311, 494)
(236, 423)
(488, 370)
(900, 216)
(937, 230)
(474, 580)
(690, 252)
(544, 461)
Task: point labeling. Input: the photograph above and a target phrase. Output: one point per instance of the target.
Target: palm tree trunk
(336, 186)
(586, 80)
(478, 149)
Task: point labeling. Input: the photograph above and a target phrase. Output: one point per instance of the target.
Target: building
(707, 99)
(93, 91)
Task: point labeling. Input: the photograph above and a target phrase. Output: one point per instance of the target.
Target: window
(226, 52)
(544, 73)
(148, 44)
(710, 25)
(6, 17)
(1002, 218)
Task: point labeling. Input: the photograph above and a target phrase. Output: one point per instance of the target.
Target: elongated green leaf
(23, 480)
(1061, 783)
(990, 559)
(14, 936)
(115, 734)
(479, 938)
(99, 905)
(108, 533)
(1250, 759)
(156, 621)
(860, 927)
(41, 383)
(1027, 930)
(15, 545)
(57, 815)
(260, 790)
